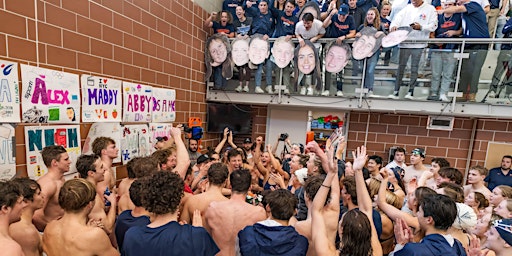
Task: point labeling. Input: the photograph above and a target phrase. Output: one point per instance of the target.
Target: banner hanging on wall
(164, 105)
(158, 130)
(101, 99)
(7, 152)
(9, 92)
(49, 96)
(137, 103)
(111, 130)
(135, 142)
(38, 137)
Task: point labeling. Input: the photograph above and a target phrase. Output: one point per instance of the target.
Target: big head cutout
(282, 51)
(311, 7)
(258, 49)
(367, 44)
(337, 57)
(396, 37)
(306, 61)
(217, 53)
(240, 51)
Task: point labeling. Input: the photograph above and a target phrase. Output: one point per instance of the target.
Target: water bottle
(107, 193)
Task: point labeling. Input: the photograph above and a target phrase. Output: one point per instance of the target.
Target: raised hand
(197, 220)
(360, 158)
(403, 234)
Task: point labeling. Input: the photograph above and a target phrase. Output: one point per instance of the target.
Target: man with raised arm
(71, 234)
(93, 170)
(105, 147)
(217, 175)
(23, 231)
(226, 218)
(57, 161)
(11, 206)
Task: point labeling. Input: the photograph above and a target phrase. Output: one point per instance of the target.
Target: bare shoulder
(10, 247)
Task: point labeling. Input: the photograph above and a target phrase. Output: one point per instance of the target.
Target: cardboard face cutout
(367, 44)
(240, 52)
(310, 7)
(396, 37)
(258, 51)
(218, 51)
(336, 59)
(306, 60)
(282, 51)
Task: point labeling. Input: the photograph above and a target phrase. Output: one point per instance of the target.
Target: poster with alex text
(101, 99)
(164, 105)
(7, 152)
(111, 130)
(49, 96)
(135, 142)
(9, 92)
(38, 137)
(137, 102)
(158, 130)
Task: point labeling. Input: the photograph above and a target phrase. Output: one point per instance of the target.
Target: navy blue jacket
(261, 240)
(434, 244)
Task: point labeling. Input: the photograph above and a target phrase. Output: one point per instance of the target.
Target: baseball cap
(448, 1)
(418, 151)
(248, 140)
(504, 228)
(343, 9)
(202, 158)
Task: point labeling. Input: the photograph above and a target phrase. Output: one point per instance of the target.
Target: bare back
(27, 236)
(66, 237)
(125, 203)
(201, 203)
(98, 211)
(304, 228)
(50, 186)
(225, 219)
(484, 190)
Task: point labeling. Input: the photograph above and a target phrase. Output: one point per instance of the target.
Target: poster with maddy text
(49, 96)
(7, 152)
(111, 130)
(38, 137)
(164, 105)
(137, 102)
(9, 92)
(162, 130)
(101, 99)
(135, 142)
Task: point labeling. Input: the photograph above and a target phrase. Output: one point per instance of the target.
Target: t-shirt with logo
(444, 24)
(285, 25)
(338, 28)
(218, 28)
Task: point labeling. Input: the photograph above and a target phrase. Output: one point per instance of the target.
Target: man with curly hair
(161, 195)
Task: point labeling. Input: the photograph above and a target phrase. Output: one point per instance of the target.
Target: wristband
(326, 186)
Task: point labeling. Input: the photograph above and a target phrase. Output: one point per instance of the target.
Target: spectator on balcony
(369, 36)
(442, 61)
(240, 48)
(218, 48)
(385, 20)
(475, 26)
(222, 24)
(339, 25)
(231, 5)
(356, 12)
(422, 18)
(503, 66)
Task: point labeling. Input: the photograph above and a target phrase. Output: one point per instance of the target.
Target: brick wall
(142, 41)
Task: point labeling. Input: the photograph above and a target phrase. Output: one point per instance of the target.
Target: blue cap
(504, 228)
(343, 9)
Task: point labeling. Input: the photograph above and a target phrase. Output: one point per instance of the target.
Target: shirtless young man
(476, 181)
(174, 158)
(71, 234)
(225, 219)
(93, 170)
(11, 205)
(105, 147)
(23, 231)
(416, 169)
(217, 175)
(57, 161)
(137, 168)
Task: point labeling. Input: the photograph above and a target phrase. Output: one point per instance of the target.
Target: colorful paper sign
(111, 130)
(101, 99)
(135, 142)
(158, 130)
(38, 137)
(49, 96)
(137, 102)
(164, 105)
(9, 93)
(7, 152)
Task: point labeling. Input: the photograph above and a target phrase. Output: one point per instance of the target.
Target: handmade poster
(38, 137)
(164, 105)
(135, 142)
(101, 99)
(7, 152)
(9, 93)
(137, 102)
(49, 96)
(158, 130)
(111, 130)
